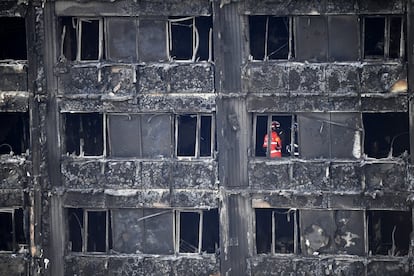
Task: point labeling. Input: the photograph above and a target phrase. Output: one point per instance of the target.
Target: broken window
(383, 37)
(14, 133)
(389, 232)
(386, 134)
(82, 39)
(284, 132)
(12, 234)
(89, 230)
(271, 37)
(197, 231)
(277, 231)
(84, 134)
(195, 135)
(190, 38)
(332, 232)
(140, 135)
(13, 38)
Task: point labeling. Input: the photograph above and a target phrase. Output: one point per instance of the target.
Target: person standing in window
(275, 142)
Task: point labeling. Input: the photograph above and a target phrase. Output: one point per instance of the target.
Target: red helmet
(275, 124)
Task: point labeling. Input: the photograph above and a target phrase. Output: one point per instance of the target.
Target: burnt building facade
(132, 137)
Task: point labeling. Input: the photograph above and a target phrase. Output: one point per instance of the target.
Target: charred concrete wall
(132, 137)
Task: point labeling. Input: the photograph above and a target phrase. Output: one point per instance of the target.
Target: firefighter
(275, 143)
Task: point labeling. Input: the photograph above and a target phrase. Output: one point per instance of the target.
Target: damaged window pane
(152, 40)
(149, 135)
(81, 36)
(284, 132)
(197, 231)
(190, 38)
(383, 37)
(270, 37)
(84, 134)
(89, 230)
(121, 39)
(311, 38)
(386, 135)
(276, 231)
(13, 38)
(389, 232)
(194, 135)
(14, 133)
(12, 237)
(343, 37)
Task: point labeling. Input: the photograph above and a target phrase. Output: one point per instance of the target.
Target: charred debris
(132, 137)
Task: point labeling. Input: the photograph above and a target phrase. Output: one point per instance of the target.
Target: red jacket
(275, 145)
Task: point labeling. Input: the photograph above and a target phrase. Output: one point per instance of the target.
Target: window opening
(84, 134)
(13, 37)
(270, 37)
(190, 38)
(14, 133)
(383, 37)
(389, 232)
(386, 135)
(284, 132)
(194, 135)
(89, 230)
(82, 36)
(12, 230)
(276, 231)
(197, 231)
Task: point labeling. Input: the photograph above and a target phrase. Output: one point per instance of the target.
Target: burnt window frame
(197, 145)
(84, 230)
(177, 226)
(387, 25)
(291, 38)
(294, 136)
(296, 231)
(195, 38)
(16, 247)
(369, 239)
(64, 150)
(77, 25)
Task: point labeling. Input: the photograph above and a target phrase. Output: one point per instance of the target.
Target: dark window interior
(205, 135)
(76, 225)
(187, 129)
(374, 37)
(84, 133)
(269, 37)
(6, 231)
(343, 37)
(210, 231)
(14, 133)
(69, 45)
(20, 227)
(96, 231)
(284, 133)
(90, 39)
(13, 38)
(386, 134)
(395, 37)
(182, 37)
(283, 231)
(189, 232)
(389, 232)
(188, 133)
